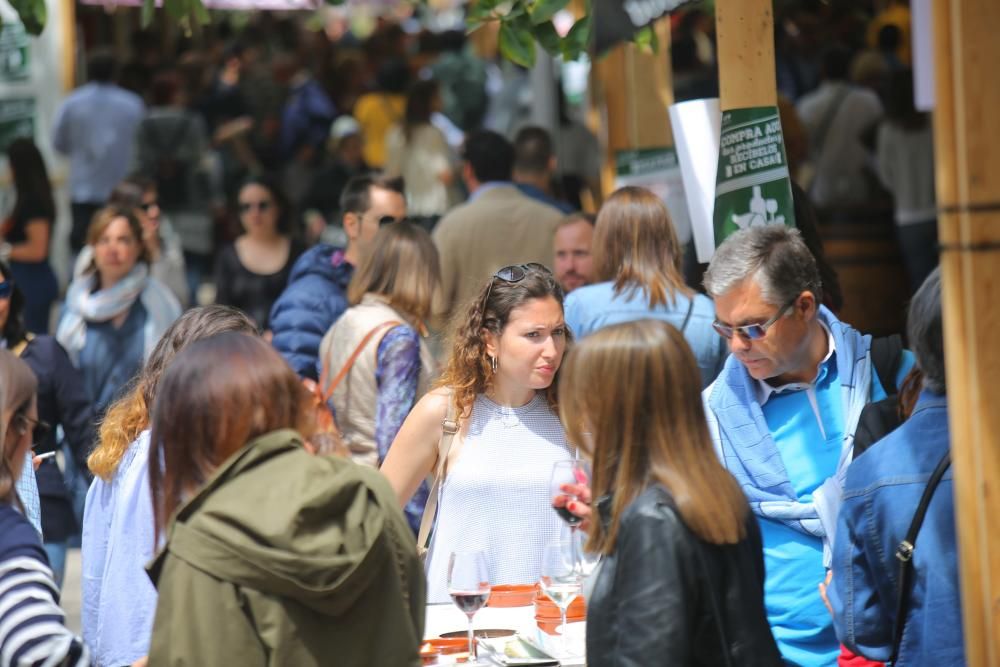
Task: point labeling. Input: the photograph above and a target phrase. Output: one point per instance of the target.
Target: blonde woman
(682, 575)
(637, 273)
(379, 346)
(118, 599)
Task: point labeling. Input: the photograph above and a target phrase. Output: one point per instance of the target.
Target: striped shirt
(32, 626)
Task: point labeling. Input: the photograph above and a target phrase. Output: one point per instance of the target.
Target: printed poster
(753, 186)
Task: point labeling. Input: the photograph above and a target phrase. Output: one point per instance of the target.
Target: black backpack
(171, 173)
(879, 418)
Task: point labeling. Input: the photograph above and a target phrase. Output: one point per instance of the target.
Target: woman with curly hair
(500, 388)
(118, 599)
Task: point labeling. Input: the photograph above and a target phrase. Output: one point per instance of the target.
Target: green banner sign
(17, 119)
(752, 183)
(14, 52)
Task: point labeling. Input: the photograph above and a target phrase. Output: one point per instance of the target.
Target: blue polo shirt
(806, 421)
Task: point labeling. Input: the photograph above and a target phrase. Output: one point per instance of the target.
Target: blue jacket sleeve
(299, 320)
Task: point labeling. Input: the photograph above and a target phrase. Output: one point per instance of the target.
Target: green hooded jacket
(284, 558)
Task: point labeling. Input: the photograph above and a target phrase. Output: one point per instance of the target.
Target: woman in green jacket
(273, 556)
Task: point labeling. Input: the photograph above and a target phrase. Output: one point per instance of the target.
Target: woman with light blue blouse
(637, 261)
(119, 600)
(378, 347)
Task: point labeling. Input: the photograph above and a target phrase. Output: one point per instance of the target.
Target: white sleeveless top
(496, 496)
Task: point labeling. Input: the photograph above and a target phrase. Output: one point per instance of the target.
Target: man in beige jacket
(498, 226)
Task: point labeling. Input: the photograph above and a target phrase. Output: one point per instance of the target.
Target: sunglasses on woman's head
(514, 273)
(6, 289)
(246, 207)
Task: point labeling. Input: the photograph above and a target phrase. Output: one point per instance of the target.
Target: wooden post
(634, 90)
(967, 150)
(744, 32)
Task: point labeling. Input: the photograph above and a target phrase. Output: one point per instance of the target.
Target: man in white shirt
(836, 116)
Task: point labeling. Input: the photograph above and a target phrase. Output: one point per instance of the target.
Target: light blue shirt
(806, 421)
(95, 127)
(119, 600)
(596, 306)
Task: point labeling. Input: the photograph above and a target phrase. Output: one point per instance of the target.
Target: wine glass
(560, 580)
(469, 585)
(573, 471)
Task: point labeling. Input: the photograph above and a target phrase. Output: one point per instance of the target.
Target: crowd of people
(390, 371)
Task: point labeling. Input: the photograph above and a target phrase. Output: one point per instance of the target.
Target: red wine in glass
(567, 516)
(469, 602)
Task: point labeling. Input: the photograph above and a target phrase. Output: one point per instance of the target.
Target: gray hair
(774, 256)
(926, 333)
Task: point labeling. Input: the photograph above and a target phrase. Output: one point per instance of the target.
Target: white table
(446, 617)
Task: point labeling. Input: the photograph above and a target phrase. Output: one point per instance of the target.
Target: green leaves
(647, 40)
(33, 14)
(576, 42)
(517, 44)
(541, 11)
(183, 12)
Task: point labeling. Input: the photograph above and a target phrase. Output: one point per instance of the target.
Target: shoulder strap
(904, 552)
(449, 427)
(687, 318)
(18, 349)
(886, 353)
(327, 393)
(827, 122)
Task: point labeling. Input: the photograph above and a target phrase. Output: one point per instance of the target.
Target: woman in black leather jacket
(682, 576)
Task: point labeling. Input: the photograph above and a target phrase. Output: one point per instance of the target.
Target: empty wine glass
(560, 581)
(469, 586)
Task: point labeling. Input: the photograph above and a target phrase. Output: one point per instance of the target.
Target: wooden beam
(967, 149)
(635, 90)
(744, 32)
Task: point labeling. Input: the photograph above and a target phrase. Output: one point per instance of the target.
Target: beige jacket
(499, 227)
(355, 398)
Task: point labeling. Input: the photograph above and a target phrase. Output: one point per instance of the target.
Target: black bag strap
(904, 552)
(886, 353)
(831, 114)
(687, 318)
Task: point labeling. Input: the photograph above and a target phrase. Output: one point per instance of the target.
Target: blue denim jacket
(881, 494)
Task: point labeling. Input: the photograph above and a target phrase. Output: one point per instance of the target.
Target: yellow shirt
(376, 113)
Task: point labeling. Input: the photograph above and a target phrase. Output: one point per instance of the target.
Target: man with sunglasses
(316, 294)
(782, 415)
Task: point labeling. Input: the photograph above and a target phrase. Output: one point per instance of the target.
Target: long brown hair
(18, 387)
(636, 246)
(404, 268)
(631, 398)
(129, 415)
(468, 372)
(218, 395)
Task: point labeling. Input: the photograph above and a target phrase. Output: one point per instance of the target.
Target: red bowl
(547, 609)
(511, 595)
(432, 649)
